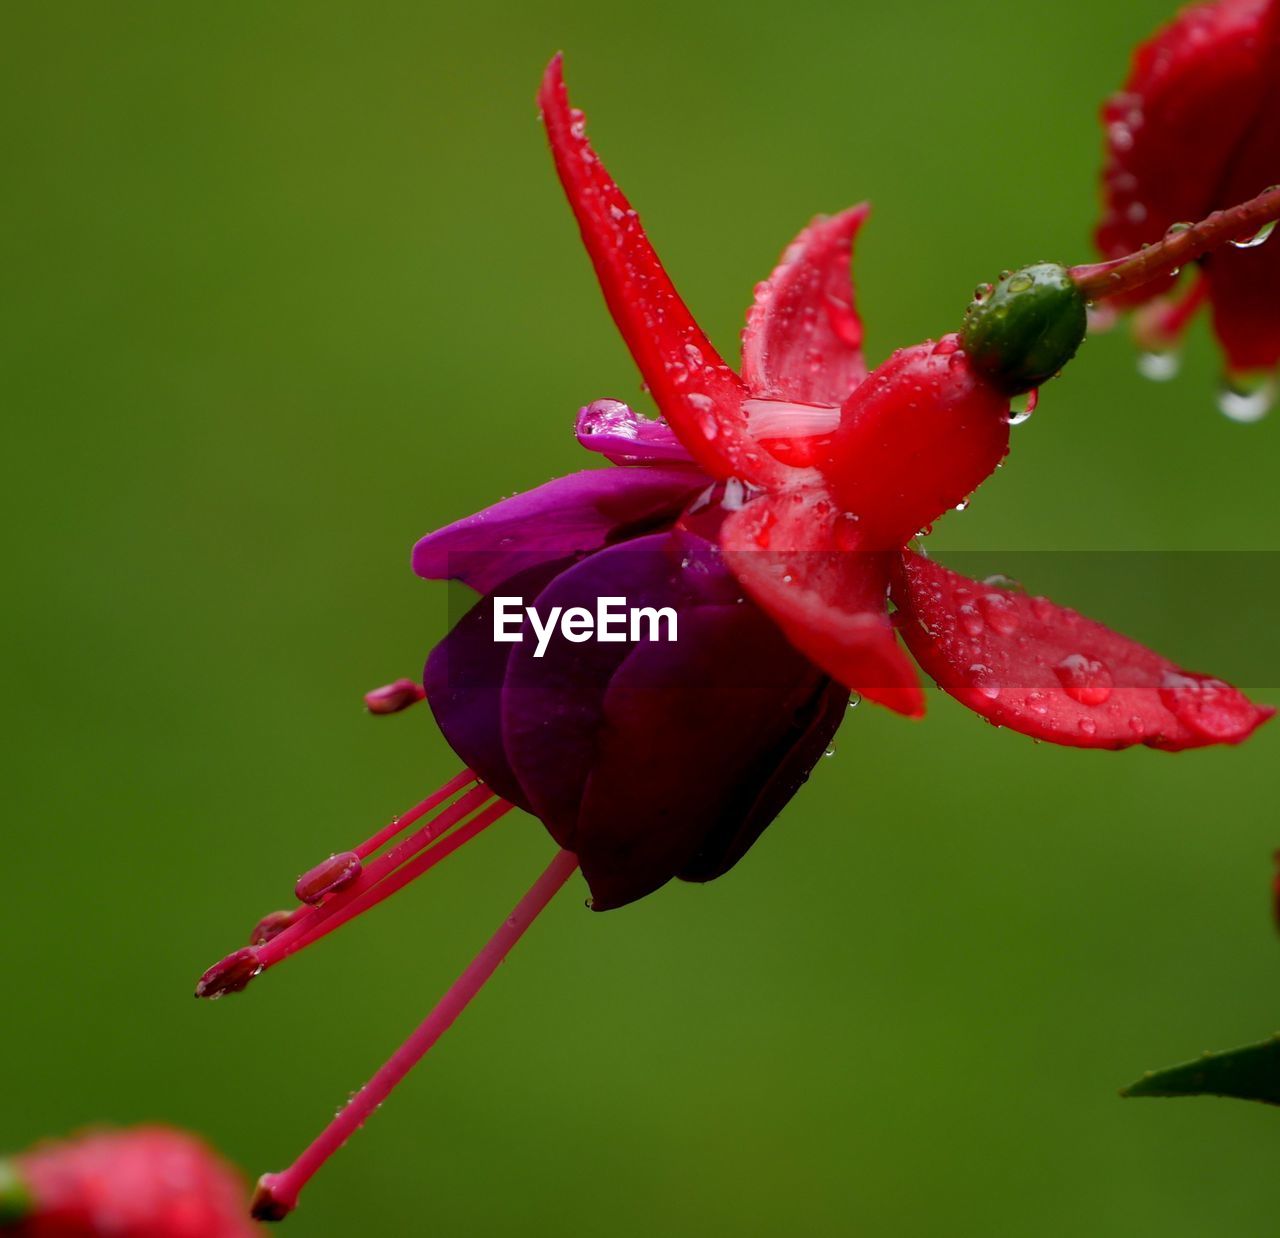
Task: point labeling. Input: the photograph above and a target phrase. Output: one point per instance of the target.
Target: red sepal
(803, 338)
(915, 439)
(800, 559)
(1048, 672)
(698, 394)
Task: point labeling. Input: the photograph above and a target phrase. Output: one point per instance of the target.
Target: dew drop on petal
(1000, 612)
(1084, 679)
(854, 700)
(1088, 726)
(1208, 706)
(830, 751)
(984, 681)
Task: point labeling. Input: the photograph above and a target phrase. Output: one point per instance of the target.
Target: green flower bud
(1026, 328)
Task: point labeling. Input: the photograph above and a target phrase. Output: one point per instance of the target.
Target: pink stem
(1108, 279)
(278, 1193)
(371, 897)
(400, 824)
(280, 947)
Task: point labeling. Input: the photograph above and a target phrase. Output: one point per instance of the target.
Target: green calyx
(15, 1199)
(1023, 330)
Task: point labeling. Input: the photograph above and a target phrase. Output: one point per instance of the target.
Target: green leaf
(1251, 1072)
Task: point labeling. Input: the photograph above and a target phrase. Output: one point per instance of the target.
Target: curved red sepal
(1172, 132)
(1048, 672)
(803, 338)
(698, 394)
(799, 558)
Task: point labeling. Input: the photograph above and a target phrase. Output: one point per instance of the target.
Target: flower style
(771, 508)
(1196, 128)
(145, 1182)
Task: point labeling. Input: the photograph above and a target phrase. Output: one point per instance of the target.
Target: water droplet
(998, 580)
(1088, 726)
(1175, 229)
(830, 751)
(982, 292)
(1208, 706)
(1022, 406)
(1021, 283)
(970, 620)
(1257, 238)
(1159, 367)
(588, 903)
(984, 681)
(1247, 396)
(854, 700)
(962, 505)
(1000, 611)
(1084, 679)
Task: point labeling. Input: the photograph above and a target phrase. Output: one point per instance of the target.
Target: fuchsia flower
(1195, 128)
(147, 1182)
(771, 508)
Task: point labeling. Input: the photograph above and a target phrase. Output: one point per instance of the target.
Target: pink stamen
(277, 1194)
(398, 825)
(394, 697)
(424, 862)
(284, 944)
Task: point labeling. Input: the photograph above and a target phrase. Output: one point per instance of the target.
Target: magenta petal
(694, 751)
(803, 339)
(565, 517)
(622, 436)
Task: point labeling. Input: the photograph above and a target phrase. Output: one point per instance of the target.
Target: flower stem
(1108, 279)
(277, 1194)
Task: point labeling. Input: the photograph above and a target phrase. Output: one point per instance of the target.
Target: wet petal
(803, 339)
(698, 394)
(623, 437)
(690, 736)
(1194, 88)
(803, 562)
(568, 516)
(1048, 672)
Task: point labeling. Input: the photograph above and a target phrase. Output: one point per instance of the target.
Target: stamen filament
(1178, 248)
(277, 1194)
(422, 863)
(282, 946)
(401, 823)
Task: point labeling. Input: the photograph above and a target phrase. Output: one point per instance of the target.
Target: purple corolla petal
(553, 705)
(566, 517)
(463, 679)
(784, 771)
(694, 751)
(622, 436)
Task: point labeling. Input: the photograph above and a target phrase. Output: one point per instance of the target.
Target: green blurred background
(289, 284)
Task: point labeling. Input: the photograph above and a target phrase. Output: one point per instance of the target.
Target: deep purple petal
(624, 437)
(552, 706)
(694, 752)
(784, 772)
(565, 517)
(463, 679)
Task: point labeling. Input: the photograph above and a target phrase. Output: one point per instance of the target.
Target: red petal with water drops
(802, 561)
(803, 339)
(1044, 670)
(700, 396)
(1193, 90)
(1243, 283)
(914, 440)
